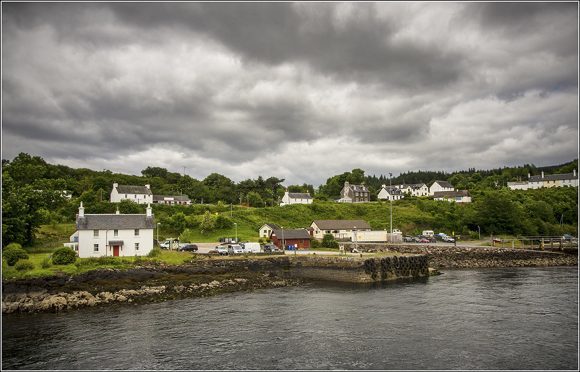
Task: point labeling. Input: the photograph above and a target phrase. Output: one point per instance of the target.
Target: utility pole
(391, 199)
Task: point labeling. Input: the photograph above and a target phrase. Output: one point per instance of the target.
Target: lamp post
(391, 200)
(158, 223)
(355, 240)
(236, 226)
(479, 232)
(283, 241)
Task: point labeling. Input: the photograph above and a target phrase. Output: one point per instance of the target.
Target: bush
(45, 264)
(314, 243)
(155, 252)
(64, 256)
(13, 252)
(24, 266)
(329, 242)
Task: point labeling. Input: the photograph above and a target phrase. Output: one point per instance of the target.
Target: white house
(523, 185)
(137, 194)
(266, 230)
(459, 196)
(171, 200)
(439, 186)
(296, 198)
(341, 229)
(543, 180)
(414, 189)
(390, 193)
(114, 234)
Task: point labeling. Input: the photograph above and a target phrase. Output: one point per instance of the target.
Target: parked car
(188, 248)
(235, 249)
(408, 239)
(222, 250)
(424, 240)
(448, 239)
(568, 237)
(269, 248)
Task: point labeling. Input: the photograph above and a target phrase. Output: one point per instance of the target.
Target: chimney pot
(81, 210)
(148, 210)
(542, 174)
(148, 186)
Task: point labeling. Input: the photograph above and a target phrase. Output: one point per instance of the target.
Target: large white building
(137, 194)
(459, 196)
(113, 234)
(296, 198)
(414, 189)
(439, 186)
(340, 229)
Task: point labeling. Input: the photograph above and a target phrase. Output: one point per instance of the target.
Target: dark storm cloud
(238, 88)
(361, 49)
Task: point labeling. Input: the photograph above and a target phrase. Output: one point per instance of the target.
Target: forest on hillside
(32, 195)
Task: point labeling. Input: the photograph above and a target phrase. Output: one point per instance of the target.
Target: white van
(252, 247)
(429, 233)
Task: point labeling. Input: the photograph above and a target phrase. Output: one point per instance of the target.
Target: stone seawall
(351, 269)
(459, 257)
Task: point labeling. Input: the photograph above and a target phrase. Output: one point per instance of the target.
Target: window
(136, 246)
(136, 232)
(96, 233)
(96, 247)
(115, 232)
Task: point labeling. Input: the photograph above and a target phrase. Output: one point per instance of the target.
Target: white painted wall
(87, 241)
(286, 199)
(136, 198)
(436, 188)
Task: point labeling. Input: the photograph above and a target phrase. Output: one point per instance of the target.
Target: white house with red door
(114, 234)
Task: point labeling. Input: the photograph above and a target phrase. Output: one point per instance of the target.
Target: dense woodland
(32, 195)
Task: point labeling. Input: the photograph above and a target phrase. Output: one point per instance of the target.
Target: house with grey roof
(171, 199)
(136, 194)
(390, 193)
(296, 198)
(414, 189)
(266, 230)
(438, 186)
(295, 238)
(114, 235)
(546, 180)
(354, 194)
(340, 229)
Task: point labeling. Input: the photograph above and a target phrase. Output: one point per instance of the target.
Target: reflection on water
(469, 319)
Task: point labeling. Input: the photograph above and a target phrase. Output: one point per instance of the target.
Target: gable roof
(553, 177)
(129, 189)
(272, 226)
(358, 188)
(299, 195)
(115, 222)
(393, 190)
(341, 224)
(291, 234)
(182, 198)
(443, 184)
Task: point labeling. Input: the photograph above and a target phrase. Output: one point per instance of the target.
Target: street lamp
(236, 226)
(479, 232)
(158, 223)
(391, 200)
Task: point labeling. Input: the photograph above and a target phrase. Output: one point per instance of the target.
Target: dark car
(188, 248)
(408, 239)
(270, 248)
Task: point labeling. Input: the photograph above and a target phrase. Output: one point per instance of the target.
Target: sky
(299, 91)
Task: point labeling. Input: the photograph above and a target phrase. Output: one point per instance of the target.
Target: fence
(536, 242)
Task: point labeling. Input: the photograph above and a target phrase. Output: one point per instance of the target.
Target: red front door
(116, 250)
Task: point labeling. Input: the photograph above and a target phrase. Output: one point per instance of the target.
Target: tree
(254, 199)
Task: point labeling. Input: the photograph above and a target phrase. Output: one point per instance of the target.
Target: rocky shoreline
(159, 282)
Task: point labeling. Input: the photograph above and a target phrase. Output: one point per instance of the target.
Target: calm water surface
(470, 319)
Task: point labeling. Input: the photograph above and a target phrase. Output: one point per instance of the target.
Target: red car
(424, 240)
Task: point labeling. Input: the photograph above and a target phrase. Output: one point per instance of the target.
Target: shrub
(329, 242)
(24, 266)
(45, 264)
(314, 243)
(13, 252)
(64, 256)
(155, 252)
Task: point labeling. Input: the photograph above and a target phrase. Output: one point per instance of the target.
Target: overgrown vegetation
(12, 253)
(64, 256)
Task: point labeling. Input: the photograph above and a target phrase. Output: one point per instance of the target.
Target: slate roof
(342, 224)
(299, 195)
(291, 234)
(443, 184)
(358, 188)
(115, 222)
(273, 226)
(443, 194)
(128, 189)
(415, 186)
(553, 177)
(393, 190)
(182, 198)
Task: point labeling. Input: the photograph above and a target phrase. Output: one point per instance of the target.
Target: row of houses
(144, 195)
(344, 230)
(547, 181)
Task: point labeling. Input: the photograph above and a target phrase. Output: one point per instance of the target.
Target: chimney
(346, 184)
(81, 210)
(542, 174)
(115, 184)
(384, 186)
(148, 210)
(148, 186)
